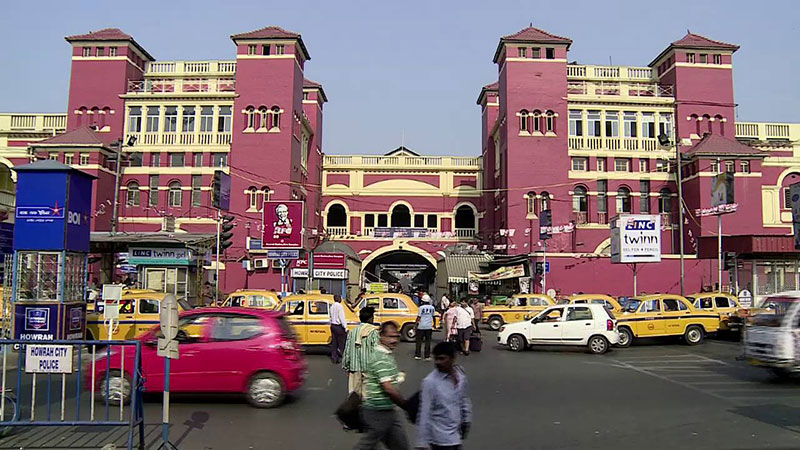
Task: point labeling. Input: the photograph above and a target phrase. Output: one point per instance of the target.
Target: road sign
(745, 298)
(547, 267)
(283, 254)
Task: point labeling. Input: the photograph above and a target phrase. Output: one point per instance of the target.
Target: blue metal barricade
(108, 377)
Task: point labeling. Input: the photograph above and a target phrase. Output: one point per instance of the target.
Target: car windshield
(632, 304)
(777, 308)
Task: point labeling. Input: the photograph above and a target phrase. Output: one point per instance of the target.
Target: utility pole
(216, 266)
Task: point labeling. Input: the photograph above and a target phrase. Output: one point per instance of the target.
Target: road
(655, 395)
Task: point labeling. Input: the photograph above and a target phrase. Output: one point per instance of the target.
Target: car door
(319, 323)
(233, 352)
(389, 308)
(126, 325)
(147, 315)
(546, 327)
(724, 305)
(295, 314)
(577, 325)
(652, 323)
(191, 365)
(675, 316)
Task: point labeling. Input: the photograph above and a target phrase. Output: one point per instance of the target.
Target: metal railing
(609, 72)
(336, 231)
(33, 122)
(403, 161)
(190, 67)
(612, 143)
(180, 85)
(614, 88)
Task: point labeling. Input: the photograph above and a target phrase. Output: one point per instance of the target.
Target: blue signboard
(283, 254)
(53, 207)
(36, 322)
(73, 326)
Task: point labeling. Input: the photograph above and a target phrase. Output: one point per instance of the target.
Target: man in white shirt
(445, 303)
(464, 319)
(338, 329)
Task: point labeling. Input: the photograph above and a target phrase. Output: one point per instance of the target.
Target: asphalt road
(655, 395)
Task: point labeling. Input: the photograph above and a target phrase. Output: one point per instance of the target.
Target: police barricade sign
(48, 359)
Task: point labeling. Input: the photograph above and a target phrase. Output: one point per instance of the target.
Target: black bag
(412, 407)
(349, 413)
(475, 343)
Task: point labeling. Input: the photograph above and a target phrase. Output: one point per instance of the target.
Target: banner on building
(324, 260)
(524, 285)
(794, 196)
(399, 232)
(283, 224)
(636, 238)
(502, 273)
(722, 190)
(159, 255)
(332, 274)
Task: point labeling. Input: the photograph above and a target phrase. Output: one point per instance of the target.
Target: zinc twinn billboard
(636, 238)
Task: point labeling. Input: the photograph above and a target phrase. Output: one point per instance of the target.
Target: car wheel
(265, 390)
(495, 322)
(598, 345)
(516, 342)
(693, 335)
(408, 333)
(115, 387)
(625, 337)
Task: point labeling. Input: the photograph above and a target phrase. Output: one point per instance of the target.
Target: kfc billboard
(283, 224)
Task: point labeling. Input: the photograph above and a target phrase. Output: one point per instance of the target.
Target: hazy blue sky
(413, 66)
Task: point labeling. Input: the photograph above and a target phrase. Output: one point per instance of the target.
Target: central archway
(408, 266)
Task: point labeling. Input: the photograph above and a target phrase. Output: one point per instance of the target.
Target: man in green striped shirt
(360, 345)
(382, 422)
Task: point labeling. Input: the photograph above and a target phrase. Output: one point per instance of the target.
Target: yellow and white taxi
(138, 312)
(722, 303)
(252, 298)
(308, 316)
(396, 308)
(664, 315)
(608, 301)
(516, 309)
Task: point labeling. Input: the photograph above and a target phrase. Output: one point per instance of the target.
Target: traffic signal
(221, 190)
(729, 261)
(539, 268)
(226, 232)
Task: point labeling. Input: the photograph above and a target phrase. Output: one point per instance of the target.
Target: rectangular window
(648, 125)
(644, 202)
(522, 52)
(536, 52)
(369, 220)
(419, 220)
(69, 158)
(177, 159)
(714, 167)
(265, 49)
(153, 194)
(155, 160)
(279, 49)
(197, 193)
(112, 51)
(187, 124)
(84, 161)
(661, 165)
(717, 59)
(224, 120)
(665, 124)
(745, 166)
(644, 165)
(703, 58)
(432, 222)
(602, 189)
(251, 49)
(579, 164)
(575, 123)
(306, 95)
(198, 160)
(690, 58)
(601, 164)
(593, 123)
(100, 51)
(630, 124)
(622, 165)
(170, 119)
(612, 124)
(383, 220)
(135, 119)
(550, 53)
(86, 52)
(207, 119)
(133, 195)
(220, 160)
(152, 118)
(730, 167)
(135, 159)
(787, 198)
(53, 156)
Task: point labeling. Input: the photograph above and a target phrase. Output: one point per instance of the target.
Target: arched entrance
(401, 268)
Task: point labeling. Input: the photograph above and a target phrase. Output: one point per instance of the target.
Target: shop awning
(459, 266)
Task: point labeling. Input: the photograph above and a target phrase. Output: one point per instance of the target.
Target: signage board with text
(283, 224)
(636, 238)
(159, 255)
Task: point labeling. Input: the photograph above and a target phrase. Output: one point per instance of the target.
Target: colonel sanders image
(282, 228)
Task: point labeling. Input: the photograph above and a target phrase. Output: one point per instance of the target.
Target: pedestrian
(361, 343)
(464, 319)
(449, 319)
(426, 298)
(444, 417)
(477, 309)
(381, 420)
(424, 326)
(415, 298)
(338, 329)
(444, 304)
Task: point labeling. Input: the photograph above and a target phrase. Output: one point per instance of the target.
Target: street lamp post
(665, 140)
(117, 173)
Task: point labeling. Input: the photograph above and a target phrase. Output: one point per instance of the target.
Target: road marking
(679, 383)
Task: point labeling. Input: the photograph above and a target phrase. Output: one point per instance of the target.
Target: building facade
(579, 140)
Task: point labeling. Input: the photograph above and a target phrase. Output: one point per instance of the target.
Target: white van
(772, 336)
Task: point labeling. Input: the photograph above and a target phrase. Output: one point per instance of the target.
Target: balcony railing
(609, 72)
(765, 131)
(612, 143)
(465, 232)
(603, 88)
(187, 138)
(432, 233)
(179, 85)
(336, 231)
(33, 122)
(190, 67)
(402, 161)
(580, 217)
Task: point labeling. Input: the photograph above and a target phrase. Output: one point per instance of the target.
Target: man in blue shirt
(445, 410)
(424, 326)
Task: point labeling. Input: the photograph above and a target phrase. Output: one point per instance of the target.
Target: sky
(406, 71)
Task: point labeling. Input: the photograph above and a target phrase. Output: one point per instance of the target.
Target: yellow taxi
(252, 298)
(308, 316)
(724, 304)
(608, 301)
(664, 315)
(396, 308)
(138, 312)
(516, 309)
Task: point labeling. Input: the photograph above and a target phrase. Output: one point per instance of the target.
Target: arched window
(544, 201)
(531, 200)
(696, 120)
(580, 204)
(707, 119)
(465, 218)
(524, 125)
(132, 196)
(623, 200)
(401, 216)
(665, 201)
(264, 116)
(536, 117)
(718, 118)
(337, 216)
(252, 197)
(550, 122)
(175, 194)
(250, 117)
(264, 194)
(275, 118)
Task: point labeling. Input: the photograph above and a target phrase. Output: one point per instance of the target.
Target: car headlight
(503, 328)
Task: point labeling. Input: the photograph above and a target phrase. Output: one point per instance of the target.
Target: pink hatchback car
(245, 350)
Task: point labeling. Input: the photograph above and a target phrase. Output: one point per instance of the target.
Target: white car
(587, 325)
